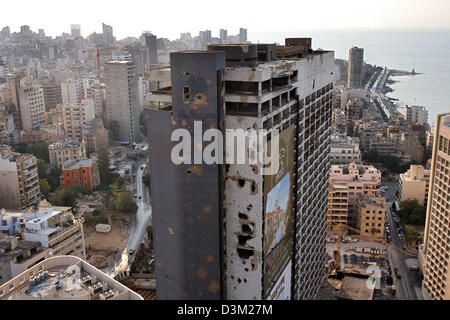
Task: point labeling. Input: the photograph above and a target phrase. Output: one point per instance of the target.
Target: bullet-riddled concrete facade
(285, 88)
(187, 198)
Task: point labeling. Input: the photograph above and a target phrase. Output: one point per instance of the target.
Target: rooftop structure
(18, 255)
(65, 278)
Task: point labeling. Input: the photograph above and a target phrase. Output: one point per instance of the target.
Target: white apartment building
(344, 150)
(32, 107)
(76, 117)
(73, 91)
(416, 114)
(122, 98)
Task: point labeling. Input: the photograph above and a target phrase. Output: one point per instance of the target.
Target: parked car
(397, 273)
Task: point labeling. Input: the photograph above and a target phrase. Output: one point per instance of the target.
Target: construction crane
(337, 252)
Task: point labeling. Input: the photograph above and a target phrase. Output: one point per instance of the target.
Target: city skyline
(352, 15)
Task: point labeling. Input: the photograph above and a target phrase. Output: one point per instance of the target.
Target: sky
(169, 18)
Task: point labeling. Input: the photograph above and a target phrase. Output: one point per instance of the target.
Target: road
(121, 262)
(408, 286)
(144, 212)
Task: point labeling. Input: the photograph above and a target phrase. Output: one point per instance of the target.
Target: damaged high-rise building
(228, 231)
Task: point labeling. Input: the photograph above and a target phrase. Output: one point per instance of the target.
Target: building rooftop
(76, 164)
(65, 278)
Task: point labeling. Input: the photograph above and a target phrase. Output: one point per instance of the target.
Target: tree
(411, 212)
(126, 203)
(54, 178)
(45, 187)
(103, 168)
(372, 156)
(39, 150)
(42, 168)
(64, 197)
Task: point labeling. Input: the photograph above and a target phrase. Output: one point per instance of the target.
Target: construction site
(359, 267)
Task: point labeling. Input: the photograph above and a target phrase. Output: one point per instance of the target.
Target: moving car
(397, 273)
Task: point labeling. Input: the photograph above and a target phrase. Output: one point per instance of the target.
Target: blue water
(395, 49)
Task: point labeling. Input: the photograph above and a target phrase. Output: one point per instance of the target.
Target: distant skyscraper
(122, 98)
(108, 37)
(355, 67)
(242, 35)
(152, 47)
(436, 251)
(75, 30)
(223, 36)
(24, 29)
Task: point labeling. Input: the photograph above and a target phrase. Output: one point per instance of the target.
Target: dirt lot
(100, 247)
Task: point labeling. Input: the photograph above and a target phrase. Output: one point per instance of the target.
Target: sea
(427, 51)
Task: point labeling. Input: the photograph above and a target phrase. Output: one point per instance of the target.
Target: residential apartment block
(19, 180)
(67, 150)
(414, 184)
(347, 182)
(76, 117)
(371, 215)
(344, 150)
(122, 98)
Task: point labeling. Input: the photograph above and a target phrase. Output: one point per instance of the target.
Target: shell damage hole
(246, 229)
(243, 239)
(245, 253)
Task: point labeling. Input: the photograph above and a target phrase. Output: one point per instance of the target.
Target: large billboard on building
(282, 289)
(278, 216)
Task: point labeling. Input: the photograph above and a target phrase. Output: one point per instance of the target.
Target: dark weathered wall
(187, 198)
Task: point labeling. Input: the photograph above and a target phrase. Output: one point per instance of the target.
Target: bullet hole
(227, 168)
(232, 277)
(239, 280)
(184, 73)
(243, 239)
(243, 216)
(245, 280)
(185, 123)
(249, 207)
(255, 169)
(246, 269)
(245, 253)
(253, 188)
(241, 183)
